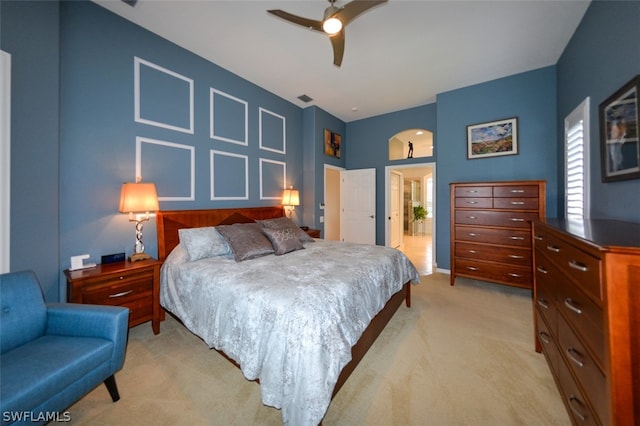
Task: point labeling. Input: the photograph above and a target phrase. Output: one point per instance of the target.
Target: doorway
(417, 237)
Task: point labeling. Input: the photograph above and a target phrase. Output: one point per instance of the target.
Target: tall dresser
(587, 316)
(491, 230)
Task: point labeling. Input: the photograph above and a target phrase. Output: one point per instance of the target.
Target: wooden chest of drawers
(491, 230)
(587, 316)
(134, 285)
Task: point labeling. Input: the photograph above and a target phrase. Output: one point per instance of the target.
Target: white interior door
(395, 210)
(358, 205)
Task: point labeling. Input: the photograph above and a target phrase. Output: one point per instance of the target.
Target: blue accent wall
(98, 131)
(34, 137)
(603, 55)
(531, 97)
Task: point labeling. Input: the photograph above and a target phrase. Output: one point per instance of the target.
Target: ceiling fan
(333, 23)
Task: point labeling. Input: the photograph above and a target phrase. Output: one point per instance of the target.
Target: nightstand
(313, 233)
(133, 285)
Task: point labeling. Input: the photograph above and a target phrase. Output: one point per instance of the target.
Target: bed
(298, 323)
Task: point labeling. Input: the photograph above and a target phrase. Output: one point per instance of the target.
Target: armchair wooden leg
(112, 387)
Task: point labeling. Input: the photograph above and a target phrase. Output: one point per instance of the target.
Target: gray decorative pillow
(203, 242)
(283, 240)
(246, 240)
(286, 223)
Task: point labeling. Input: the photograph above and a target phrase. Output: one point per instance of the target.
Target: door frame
(387, 203)
(324, 193)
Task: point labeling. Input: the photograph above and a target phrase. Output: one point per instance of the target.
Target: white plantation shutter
(576, 137)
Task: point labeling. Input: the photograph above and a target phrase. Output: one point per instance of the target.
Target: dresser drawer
(546, 279)
(511, 274)
(508, 191)
(510, 255)
(545, 336)
(510, 237)
(588, 374)
(495, 218)
(516, 203)
(474, 191)
(583, 316)
(575, 401)
(467, 202)
(578, 265)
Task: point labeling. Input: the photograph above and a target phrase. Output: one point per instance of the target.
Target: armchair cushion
(48, 365)
(23, 314)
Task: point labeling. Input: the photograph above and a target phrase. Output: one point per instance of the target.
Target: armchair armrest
(78, 320)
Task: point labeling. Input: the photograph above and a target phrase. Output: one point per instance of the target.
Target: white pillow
(204, 242)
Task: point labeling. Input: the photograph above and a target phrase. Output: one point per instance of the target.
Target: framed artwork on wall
(619, 142)
(332, 143)
(492, 139)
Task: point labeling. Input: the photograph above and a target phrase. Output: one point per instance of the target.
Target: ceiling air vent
(305, 98)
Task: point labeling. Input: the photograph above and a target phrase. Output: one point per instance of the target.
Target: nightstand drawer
(120, 293)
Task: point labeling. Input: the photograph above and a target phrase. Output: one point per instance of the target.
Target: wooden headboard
(169, 221)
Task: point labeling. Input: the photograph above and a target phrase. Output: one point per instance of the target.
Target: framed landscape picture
(619, 142)
(492, 139)
(332, 143)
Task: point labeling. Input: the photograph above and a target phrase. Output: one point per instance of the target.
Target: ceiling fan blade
(337, 41)
(299, 20)
(351, 10)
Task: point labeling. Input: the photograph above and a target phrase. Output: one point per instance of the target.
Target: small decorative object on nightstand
(134, 285)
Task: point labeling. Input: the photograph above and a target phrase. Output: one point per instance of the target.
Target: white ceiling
(398, 55)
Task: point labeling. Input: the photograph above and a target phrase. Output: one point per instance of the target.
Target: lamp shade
(138, 197)
(291, 197)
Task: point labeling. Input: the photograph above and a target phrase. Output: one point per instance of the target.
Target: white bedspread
(288, 320)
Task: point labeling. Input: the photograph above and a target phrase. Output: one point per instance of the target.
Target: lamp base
(139, 256)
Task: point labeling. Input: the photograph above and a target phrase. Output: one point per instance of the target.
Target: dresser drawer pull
(553, 249)
(473, 251)
(517, 191)
(472, 191)
(544, 337)
(515, 256)
(579, 266)
(569, 303)
(517, 219)
(517, 203)
(473, 234)
(578, 411)
(538, 237)
(472, 217)
(543, 303)
(517, 238)
(472, 268)
(472, 202)
(123, 293)
(514, 275)
(541, 270)
(575, 356)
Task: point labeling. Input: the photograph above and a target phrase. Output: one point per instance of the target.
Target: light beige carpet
(460, 355)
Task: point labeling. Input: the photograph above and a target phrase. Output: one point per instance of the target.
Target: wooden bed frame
(169, 222)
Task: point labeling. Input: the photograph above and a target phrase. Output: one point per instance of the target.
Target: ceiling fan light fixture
(332, 26)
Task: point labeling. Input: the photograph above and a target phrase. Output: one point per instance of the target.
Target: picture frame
(492, 139)
(619, 139)
(332, 143)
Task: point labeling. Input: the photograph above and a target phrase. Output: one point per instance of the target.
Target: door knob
(372, 216)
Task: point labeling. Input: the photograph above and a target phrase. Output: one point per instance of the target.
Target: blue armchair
(51, 355)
